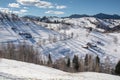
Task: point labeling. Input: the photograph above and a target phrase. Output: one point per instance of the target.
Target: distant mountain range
(100, 16)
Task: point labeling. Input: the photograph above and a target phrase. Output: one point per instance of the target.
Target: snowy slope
(106, 44)
(70, 47)
(11, 69)
(7, 34)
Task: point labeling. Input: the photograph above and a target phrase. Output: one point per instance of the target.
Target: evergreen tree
(97, 65)
(76, 63)
(68, 62)
(49, 60)
(97, 60)
(117, 68)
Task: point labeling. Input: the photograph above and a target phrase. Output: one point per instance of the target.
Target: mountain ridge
(99, 15)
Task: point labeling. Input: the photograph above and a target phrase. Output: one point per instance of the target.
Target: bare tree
(107, 65)
(81, 68)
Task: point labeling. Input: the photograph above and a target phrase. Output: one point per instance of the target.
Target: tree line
(87, 64)
(27, 53)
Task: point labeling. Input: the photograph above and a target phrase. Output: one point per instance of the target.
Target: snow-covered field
(16, 70)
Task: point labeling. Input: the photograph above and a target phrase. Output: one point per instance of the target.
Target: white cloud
(44, 4)
(7, 10)
(37, 3)
(14, 5)
(61, 7)
(27, 2)
(16, 12)
(23, 11)
(25, 7)
(54, 12)
(41, 4)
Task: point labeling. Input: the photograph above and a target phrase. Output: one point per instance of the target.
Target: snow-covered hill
(62, 39)
(16, 70)
(93, 22)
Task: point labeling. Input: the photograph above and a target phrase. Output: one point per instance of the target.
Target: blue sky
(60, 7)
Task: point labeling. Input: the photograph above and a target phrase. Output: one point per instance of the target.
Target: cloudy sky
(60, 7)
